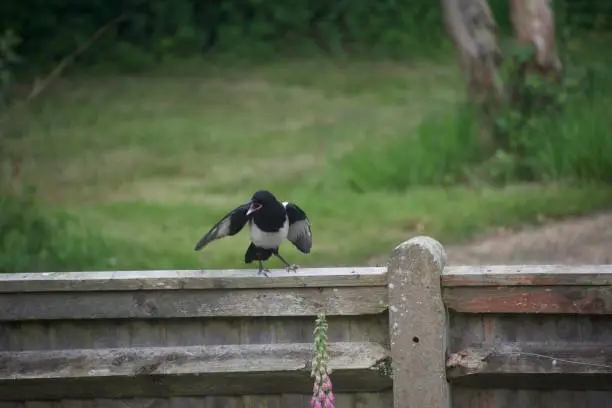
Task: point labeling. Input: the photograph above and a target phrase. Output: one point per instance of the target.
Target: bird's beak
(254, 207)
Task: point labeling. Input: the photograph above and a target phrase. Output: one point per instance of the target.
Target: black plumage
(270, 223)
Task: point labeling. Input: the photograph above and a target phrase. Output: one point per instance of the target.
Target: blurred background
(160, 116)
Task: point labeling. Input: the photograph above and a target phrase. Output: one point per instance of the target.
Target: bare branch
(40, 86)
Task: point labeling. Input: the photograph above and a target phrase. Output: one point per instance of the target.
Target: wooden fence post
(417, 325)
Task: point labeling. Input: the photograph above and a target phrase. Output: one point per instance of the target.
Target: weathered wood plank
(527, 275)
(6, 404)
(185, 371)
(493, 329)
(530, 299)
(190, 279)
(533, 365)
(417, 324)
(117, 333)
(194, 303)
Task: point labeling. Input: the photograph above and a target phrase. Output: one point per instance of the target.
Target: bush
(157, 29)
(440, 152)
(573, 144)
(162, 28)
(34, 240)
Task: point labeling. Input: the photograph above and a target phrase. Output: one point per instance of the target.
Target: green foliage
(8, 58)
(557, 130)
(568, 140)
(312, 107)
(570, 143)
(439, 152)
(585, 14)
(32, 240)
(549, 131)
(150, 162)
(160, 29)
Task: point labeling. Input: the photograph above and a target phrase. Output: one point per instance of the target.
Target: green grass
(565, 142)
(150, 162)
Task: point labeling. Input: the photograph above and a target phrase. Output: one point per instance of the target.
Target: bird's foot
(291, 268)
(264, 272)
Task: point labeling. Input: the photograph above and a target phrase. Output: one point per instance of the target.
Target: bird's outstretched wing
(231, 224)
(299, 233)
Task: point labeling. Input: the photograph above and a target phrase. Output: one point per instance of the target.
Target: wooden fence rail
(416, 334)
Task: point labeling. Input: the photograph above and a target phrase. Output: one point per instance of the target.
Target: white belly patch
(264, 239)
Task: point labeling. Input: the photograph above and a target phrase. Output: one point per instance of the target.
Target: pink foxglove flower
(331, 397)
(315, 403)
(322, 395)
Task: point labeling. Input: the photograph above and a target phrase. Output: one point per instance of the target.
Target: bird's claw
(264, 272)
(291, 268)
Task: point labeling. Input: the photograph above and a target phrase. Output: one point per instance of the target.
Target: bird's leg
(288, 267)
(262, 271)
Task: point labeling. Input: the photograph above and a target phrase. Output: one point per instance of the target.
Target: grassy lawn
(150, 162)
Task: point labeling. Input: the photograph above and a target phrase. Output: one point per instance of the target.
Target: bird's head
(260, 199)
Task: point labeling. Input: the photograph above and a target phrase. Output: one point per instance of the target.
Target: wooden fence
(467, 337)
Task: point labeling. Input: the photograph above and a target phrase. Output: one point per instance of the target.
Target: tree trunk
(473, 30)
(534, 25)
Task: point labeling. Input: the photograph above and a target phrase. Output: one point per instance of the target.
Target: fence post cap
(424, 245)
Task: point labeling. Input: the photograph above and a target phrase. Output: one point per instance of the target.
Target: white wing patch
(224, 227)
(230, 224)
(300, 234)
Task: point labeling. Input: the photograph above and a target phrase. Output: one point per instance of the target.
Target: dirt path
(581, 240)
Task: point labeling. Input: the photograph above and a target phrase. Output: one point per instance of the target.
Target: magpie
(270, 223)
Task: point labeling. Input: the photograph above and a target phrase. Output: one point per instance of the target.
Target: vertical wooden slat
(295, 401)
(222, 331)
(340, 330)
(11, 404)
(153, 402)
(370, 328)
(147, 333)
(223, 402)
(558, 399)
(5, 336)
(76, 403)
(187, 402)
(14, 335)
(35, 336)
(417, 324)
(373, 400)
(465, 330)
(40, 404)
(257, 331)
(260, 401)
(345, 401)
(598, 399)
(186, 332)
(295, 330)
(67, 335)
(527, 398)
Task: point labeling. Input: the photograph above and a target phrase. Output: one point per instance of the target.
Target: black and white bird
(270, 223)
